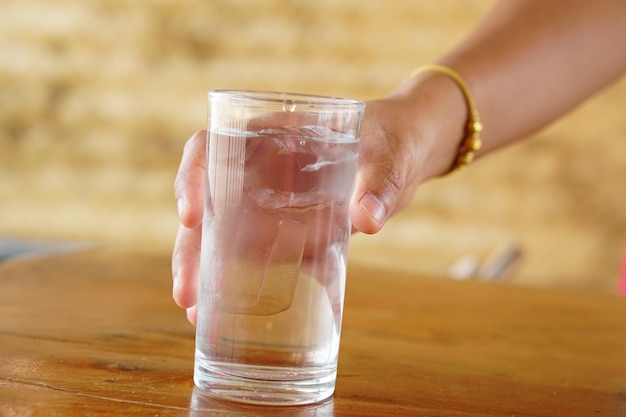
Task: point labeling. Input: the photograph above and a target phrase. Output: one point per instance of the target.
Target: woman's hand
(388, 174)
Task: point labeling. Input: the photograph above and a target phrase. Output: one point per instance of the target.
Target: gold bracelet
(472, 142)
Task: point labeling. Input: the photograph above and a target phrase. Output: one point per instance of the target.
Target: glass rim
(284, 97)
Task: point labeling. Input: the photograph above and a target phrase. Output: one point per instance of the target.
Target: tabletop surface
(96, 333)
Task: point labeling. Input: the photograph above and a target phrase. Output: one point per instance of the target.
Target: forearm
(527, 63)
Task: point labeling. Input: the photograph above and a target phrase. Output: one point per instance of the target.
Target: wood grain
(96, 333)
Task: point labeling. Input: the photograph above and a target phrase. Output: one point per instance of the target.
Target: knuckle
(393, 178)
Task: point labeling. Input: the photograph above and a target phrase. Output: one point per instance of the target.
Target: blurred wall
(97, 98)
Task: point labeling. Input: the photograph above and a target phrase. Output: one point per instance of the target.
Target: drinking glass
(280, 171)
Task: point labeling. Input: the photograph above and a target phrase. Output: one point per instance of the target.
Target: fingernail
(182, 206)
(374, 207)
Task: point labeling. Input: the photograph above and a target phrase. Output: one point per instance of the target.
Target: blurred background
(98, 97)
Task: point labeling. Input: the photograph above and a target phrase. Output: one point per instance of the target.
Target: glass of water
(280, 172)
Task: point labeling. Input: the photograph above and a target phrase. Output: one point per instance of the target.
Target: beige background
(97, 98)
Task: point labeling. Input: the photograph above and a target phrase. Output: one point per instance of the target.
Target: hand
(387, 177)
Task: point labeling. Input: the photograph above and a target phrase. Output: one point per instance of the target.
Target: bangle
(472, 141)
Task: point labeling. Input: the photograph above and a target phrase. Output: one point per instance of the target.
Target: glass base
(264, 385)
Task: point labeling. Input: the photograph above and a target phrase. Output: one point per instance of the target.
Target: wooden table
(97, 333)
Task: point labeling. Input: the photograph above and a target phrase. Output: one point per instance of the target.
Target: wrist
(439, 111)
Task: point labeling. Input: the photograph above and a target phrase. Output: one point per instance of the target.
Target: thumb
(379, 186)
(386, 178)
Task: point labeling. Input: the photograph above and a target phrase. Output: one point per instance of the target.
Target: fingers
(186, 265)
(189, 193)
(189, 183)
